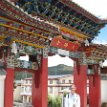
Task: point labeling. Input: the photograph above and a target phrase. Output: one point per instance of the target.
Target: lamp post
(2, 83)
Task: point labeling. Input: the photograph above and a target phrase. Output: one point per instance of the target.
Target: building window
(57, 81)
(65, 87)
(26, 81)
(51, 90)
(51, 81)
(22, 89)
(69, 81)
(63, 81)
(30, 82)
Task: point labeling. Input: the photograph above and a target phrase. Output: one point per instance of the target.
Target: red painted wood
(64, 44)
(95, 90)
(80, 78)
(104, 70)
(40, 85)
(24, 69)
(9, 88)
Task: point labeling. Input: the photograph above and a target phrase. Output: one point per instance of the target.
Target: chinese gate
(41, 28)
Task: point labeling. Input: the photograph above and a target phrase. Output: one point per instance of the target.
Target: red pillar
(40, 85)
(80, 80)
(95, 89)
(9, 88)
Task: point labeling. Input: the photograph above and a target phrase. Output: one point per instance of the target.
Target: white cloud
(56, 60)
(96, 7)
(100, 42)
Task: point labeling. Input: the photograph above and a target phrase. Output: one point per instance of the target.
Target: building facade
(26, 90)
(56, 85)
(59, 83)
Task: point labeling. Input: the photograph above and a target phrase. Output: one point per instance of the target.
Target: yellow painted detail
(23, 42)
(18, 23)
(96, 58)
(73, 33)
(28, 43)
(23, 31)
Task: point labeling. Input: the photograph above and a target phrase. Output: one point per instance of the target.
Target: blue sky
(102, 37)
(97, 8)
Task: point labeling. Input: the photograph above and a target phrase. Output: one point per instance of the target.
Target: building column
(80, 80)
(9, 88)
(23, 97)
(95, 88)
(40, 85)
(27, 100)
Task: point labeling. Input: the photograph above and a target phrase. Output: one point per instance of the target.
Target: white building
(26, 90)
(56, 85)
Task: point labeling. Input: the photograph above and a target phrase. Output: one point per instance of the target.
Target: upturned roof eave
(82, 11)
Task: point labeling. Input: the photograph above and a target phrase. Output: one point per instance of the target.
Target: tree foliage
(54, 101)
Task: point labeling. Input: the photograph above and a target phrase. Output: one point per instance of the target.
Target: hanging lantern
(101, 64)
(14, 48)
(86, 42)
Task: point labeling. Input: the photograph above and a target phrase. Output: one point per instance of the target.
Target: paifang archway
(44, 27)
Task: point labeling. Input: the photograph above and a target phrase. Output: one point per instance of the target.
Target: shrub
(104, 105)
(54, 102)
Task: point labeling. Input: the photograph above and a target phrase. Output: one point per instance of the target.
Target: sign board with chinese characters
(64, 44)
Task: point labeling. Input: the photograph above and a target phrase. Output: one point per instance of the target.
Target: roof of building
(30, 78)
(17, 81)
(82, 11)
(58, 76)
(96, 53)
(52, 76)
(64, 13)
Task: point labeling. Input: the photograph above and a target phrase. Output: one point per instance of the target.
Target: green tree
(58, 101)
(54, 101)
(50, 101)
